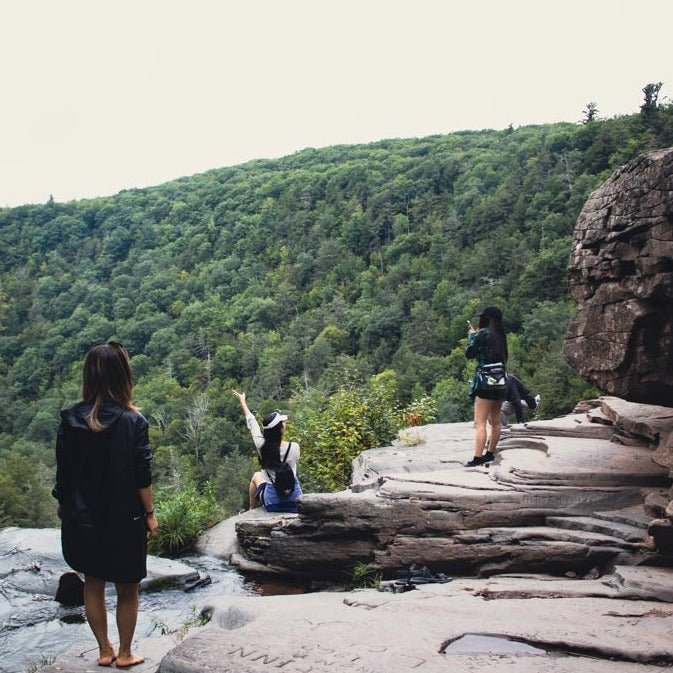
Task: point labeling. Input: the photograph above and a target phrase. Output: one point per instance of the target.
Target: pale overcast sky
(99, 96)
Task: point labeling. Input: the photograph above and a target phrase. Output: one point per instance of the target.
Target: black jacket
(100, 472)
(516, 392)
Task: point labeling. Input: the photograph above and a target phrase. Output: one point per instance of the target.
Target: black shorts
(495, 395)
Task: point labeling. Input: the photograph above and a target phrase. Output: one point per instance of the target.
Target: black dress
(98, 474)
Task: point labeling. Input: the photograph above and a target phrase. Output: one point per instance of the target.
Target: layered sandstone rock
(569, 495)
(621, 276)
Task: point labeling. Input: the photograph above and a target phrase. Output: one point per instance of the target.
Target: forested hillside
(333, 283)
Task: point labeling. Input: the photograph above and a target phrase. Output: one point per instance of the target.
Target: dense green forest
(333, 283)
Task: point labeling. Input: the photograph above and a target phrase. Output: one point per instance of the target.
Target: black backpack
(285, 479)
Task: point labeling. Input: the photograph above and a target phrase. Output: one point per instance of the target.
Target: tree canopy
(302, 281)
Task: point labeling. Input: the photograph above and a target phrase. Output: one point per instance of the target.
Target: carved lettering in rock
(303, 660)
(354, 658)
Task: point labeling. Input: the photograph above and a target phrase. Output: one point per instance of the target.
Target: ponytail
(491, 318)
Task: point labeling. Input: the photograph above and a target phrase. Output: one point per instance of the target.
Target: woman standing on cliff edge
(104, 493)
(488, 345)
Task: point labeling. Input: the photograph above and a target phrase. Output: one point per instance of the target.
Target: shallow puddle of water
(472, 643)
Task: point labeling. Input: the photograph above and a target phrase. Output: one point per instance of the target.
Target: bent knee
(256, 479)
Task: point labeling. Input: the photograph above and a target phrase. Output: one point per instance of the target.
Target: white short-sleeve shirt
(258, 439)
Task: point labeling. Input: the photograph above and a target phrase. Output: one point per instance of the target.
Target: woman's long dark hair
(270, 451)
(106, 377)
(491, 318)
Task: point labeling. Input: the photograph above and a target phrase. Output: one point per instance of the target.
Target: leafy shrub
(182, 517)
(364, 576)
(334, 431)
(453, 401)
(421, 411)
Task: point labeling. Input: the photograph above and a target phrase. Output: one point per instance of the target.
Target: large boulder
(621, 276)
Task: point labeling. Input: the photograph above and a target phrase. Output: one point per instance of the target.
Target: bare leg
(481, 414)
(256, 480)
(127, 615)
(96, 615)
(251, 494)
(495, 420)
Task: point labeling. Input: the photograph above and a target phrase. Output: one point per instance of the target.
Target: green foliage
(300, 279)
(364, 576)
(333, 431)
(25, 498)
(421, 411)
(557, 385)
(230, 481)
(183, 516)
(453, 401)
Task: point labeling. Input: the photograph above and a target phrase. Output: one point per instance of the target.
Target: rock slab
(466, 625)
(620, 274)
(565, 495)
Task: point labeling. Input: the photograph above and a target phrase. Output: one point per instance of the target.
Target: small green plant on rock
(194, 620)
(183, 516)
(364, 576)
(410, 438)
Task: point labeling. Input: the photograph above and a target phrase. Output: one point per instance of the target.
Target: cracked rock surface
(501, 624)
(621, 276)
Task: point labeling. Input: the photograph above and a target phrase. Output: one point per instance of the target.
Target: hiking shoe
(475, 462)
(488, 457)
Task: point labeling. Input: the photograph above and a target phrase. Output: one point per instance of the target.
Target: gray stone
(570, 502)
(221, 540)
(81, 658)
(589, 524)
(507, 623)
(662, 532)
(620, 274)
(70, 589)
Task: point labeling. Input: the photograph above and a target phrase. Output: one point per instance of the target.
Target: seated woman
(265, 486)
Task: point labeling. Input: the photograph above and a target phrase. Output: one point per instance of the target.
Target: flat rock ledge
(567, 577)
(526, 623)
(33, 574)
(621, 622)
(574, 495)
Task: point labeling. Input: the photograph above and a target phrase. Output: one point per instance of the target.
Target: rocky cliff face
(621, 275)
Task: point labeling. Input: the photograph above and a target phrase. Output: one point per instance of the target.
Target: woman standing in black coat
(104, 491)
